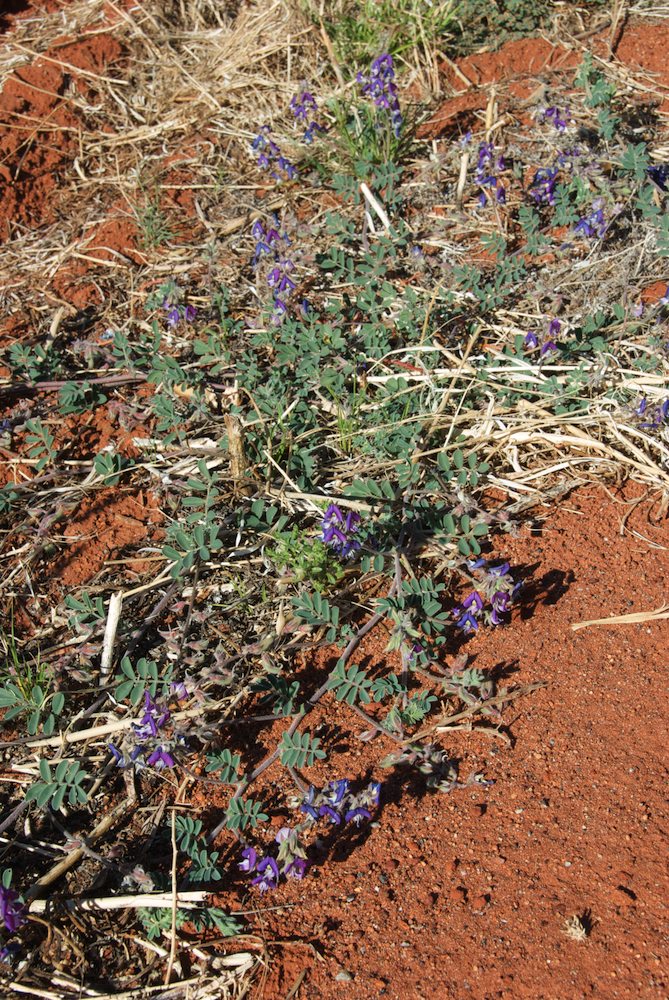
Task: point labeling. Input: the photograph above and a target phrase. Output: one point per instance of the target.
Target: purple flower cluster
(495, 585)
(291, 861)
(270, 156)
(303, 107)
(654, 416)
(175, 313)
(487, 167)
(542, 187)
(339, 531)
(594, 225)
(549, 342)
(279, 266)
(380, 86)
(151, 748)
(558, 119)
(338, 804)
(12, 911)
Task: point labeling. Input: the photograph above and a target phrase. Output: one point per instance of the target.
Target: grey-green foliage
(111, 467)
(65, 781)
(37, 704)
(224, 764)
(196, 536)
(307, 558)
(77, 397)
(27, 690)
(279, 692)
(40, 443)
(300, 750)
(89, 612)
(134, 679)
(8, 498)
(242, 813)
(316, 610)
(157, 921)
(350, 685)
(203, 861)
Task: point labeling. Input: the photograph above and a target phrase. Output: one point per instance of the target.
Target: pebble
(479, 903)
(344, 977)
(458, 894)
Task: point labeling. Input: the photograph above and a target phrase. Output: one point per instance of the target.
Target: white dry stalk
(635, 618)
(148, 900)
(113, 616)
(376, 206)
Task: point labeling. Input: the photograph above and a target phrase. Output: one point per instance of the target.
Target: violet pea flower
(357, 815)
(296, 868)
(12, 912)
(467, 622)
(331, 813)
(250, 858)
(268, 875)
(160, 758)
(473, 600)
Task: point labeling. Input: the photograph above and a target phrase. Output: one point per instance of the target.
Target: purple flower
(531, 340)
(296, 868)
(173, 315)
(559, 121)
(592, 225)
(548, 345)
(336, 791)
(190, 312)
(641, 408)
(268, 875)
(312, 128)
(467, 622)
(12, 912)
(357, 815)
(338, 531)
(9, 952)
(331, 813)
(303, 105)
(500, 605)
(180, 690)
(270, 155)
(117, 755)
(374, 789)
(307, 804)
(542, 187)
(152, 720)
(250, 858)
(380, 86)
(473, 600)
(500, 570)
(160, 758)
(554, 328)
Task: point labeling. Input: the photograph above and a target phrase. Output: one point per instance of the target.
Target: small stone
(344, 977)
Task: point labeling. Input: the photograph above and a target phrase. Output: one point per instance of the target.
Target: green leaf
(225, 764)
(300, 751)
(349, 685)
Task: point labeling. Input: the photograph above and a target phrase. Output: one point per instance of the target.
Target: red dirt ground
(467, 894)
(463, 895)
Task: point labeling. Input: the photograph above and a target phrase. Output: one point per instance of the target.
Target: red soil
(467, 895)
